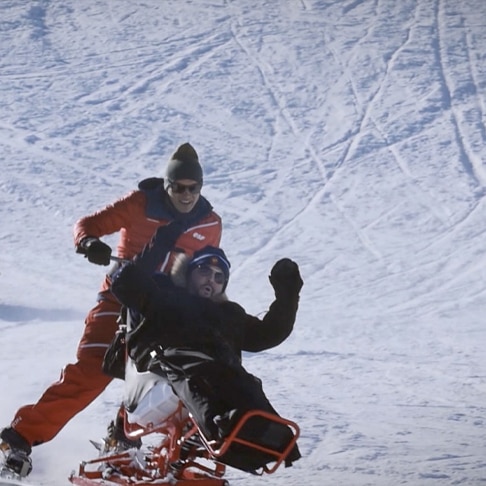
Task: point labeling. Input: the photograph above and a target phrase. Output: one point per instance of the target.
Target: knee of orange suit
(85, 374)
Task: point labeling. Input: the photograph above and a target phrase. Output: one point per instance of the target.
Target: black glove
(162, 242)
(285, 279)
(168, 234)
(95, 250)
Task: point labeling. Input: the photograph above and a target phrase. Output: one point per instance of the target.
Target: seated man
(188, 331)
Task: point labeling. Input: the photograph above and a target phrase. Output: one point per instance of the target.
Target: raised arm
(279, 321)
(133, 285)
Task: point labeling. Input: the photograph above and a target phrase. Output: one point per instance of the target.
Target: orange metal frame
(176, 431)
(218, 451)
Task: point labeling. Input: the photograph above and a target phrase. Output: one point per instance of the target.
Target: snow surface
(348, 135)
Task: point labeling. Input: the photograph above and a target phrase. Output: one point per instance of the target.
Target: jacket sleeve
(133, 287)
(110, 219)
(273, 329)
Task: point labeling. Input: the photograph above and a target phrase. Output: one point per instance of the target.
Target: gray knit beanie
(184, 164)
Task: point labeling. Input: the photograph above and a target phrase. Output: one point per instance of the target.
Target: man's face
(206, 281)
(184, 194)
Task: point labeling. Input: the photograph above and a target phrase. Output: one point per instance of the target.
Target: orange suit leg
(79, 384)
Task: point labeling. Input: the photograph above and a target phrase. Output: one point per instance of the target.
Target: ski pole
(118, 259)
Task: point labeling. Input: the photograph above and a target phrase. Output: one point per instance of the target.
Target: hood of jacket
(159, 205)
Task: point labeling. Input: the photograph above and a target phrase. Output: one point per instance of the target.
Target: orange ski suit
(136, 216)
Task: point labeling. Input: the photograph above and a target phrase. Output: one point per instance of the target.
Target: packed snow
(348, 135)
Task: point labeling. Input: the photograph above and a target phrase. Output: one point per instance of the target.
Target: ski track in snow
(348, 135)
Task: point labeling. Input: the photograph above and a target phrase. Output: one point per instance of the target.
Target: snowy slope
(348, 135)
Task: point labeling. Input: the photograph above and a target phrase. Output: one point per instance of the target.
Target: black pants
(217, 395)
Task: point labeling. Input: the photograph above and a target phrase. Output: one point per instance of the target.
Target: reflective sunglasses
(181, 188)
(207, 271)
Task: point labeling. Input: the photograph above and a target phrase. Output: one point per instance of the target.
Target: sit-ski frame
(157, 465)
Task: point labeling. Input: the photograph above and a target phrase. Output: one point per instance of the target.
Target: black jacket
(196, 343)
(173, 318)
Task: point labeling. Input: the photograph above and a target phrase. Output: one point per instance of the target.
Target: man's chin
(184, 209)
(206, 292)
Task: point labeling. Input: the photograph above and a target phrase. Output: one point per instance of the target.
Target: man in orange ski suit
(136, 216)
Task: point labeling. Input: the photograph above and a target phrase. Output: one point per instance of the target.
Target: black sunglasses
(181, 188)
(207, 271)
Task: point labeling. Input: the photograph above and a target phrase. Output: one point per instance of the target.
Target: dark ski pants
(217, 396)
(214, 390)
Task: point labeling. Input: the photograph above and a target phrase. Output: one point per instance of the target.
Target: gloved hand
(168, 234)
(95, 250)
(285, 279)
(162, 242)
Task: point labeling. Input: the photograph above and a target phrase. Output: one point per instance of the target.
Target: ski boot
(16, 451)
(116, 441)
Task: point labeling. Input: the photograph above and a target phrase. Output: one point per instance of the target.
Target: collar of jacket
(159, 205)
